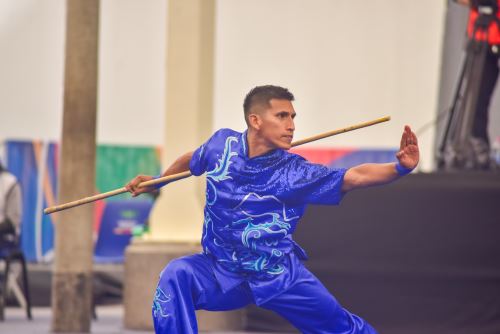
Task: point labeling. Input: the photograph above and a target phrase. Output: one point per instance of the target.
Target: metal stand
(458, 149)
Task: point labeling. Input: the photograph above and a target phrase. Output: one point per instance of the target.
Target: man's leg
(310, 307)
(187, 284)
(487, 86)
(480, 138)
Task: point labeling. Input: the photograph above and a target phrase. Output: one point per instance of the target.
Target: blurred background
(417, 256)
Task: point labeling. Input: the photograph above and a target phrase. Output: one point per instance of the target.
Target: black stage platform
(421, 255)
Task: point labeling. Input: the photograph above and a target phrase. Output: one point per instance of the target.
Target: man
(256, 193)
(10, 206)
(483, 32)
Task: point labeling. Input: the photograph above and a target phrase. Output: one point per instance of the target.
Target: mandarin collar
(263, 158)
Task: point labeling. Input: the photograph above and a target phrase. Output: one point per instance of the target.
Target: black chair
(11, 252)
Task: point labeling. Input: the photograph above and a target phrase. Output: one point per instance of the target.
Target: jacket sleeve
(203, 155)
(315, 183)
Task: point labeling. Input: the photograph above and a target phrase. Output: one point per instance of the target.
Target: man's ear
(254, 121)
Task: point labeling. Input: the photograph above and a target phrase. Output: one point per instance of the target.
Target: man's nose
(291, 125)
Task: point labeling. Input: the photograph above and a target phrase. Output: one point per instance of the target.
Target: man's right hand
(133, 186)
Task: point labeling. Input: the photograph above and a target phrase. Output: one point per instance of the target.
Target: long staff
(183, 175)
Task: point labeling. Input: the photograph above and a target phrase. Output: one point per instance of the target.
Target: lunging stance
(256, 193)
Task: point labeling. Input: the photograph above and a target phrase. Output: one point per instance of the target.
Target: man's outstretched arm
(367, 175)
(180, 165)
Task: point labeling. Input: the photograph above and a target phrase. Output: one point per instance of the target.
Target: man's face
(277, 125)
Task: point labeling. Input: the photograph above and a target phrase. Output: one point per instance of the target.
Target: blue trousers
(188, 284)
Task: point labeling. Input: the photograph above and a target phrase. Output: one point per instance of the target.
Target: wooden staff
(339, 131)
(183, 175)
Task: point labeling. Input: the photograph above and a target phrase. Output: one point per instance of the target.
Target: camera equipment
(492, 4)
(458, 149)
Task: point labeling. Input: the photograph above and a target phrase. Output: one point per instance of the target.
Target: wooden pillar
(72, 278)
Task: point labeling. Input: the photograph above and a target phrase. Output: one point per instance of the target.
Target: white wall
(31, 68)
(131, 70)
(345, 61)
(132, 51)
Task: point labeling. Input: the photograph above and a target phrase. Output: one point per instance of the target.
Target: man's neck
(256, 144)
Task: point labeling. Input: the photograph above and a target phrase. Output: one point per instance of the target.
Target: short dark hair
(263, 95)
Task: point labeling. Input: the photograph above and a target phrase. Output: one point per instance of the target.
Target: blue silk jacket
(252, 208)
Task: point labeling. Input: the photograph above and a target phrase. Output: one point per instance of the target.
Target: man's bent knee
(176, 270)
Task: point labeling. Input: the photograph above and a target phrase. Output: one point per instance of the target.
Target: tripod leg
(453, 108)
(446, 152)
(473, 149)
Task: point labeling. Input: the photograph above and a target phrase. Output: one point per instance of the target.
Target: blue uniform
(252, 208)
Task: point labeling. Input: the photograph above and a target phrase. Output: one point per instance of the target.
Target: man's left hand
(408, 154)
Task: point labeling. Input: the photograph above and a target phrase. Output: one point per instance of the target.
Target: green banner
(116, 165)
